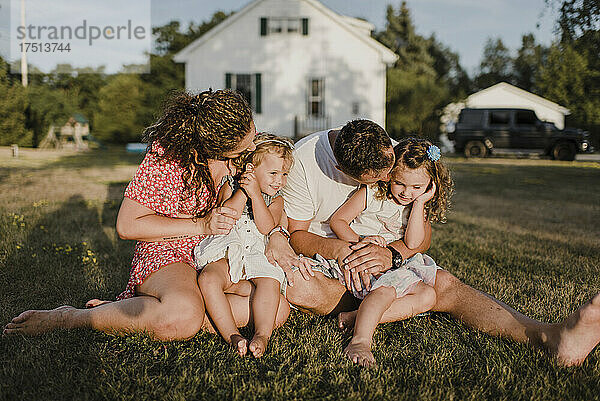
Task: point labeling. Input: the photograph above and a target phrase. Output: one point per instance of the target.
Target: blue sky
(463, 25)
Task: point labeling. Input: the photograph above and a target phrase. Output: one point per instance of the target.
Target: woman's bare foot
(258, 345)
(33, 322)
(360, 353)
(239, 344)
(92, 303)
(346, 320)
(578, 335)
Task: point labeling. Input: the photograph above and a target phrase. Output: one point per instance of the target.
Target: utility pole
(23, 52)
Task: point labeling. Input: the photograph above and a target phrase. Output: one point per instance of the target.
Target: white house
(301, 66)
(507, 95)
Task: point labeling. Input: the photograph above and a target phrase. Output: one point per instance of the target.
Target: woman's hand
(220, 221)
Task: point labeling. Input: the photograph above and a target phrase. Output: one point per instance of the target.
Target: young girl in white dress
(227, 259)
(416, 195)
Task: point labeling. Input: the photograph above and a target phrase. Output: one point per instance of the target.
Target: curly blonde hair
(267, 144)
(411, 153)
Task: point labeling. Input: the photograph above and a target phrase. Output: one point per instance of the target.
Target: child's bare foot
(33, 322)
(239, 344)
(258, 345)
(578, 335)
(360, 353)
(92, 303)
(346, 320)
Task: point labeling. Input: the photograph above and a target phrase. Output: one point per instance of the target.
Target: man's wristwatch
(397, 258)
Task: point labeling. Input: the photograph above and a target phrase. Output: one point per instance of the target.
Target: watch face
(397, 260)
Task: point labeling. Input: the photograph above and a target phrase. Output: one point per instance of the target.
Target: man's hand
(368, 257)
(279, 252)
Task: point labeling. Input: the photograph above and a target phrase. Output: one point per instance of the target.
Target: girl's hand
(249, 183)
(375, 239)
(428, 195)
(220, 221)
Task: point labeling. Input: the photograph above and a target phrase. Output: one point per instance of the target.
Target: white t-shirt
(316, 188)
(381, 217)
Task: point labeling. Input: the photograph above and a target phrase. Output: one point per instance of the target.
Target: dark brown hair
(412, 153)
(360, 148)
(195, 128)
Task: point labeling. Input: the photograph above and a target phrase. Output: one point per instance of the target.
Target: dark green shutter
(227, 80)
(305, 26)
(263, 26)
(258, 96)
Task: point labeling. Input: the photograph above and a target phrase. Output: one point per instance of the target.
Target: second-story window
(283, 25)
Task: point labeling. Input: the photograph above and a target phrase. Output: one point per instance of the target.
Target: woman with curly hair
(169, 207)
(416, 195)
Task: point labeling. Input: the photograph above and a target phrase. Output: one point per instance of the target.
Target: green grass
(526, 231)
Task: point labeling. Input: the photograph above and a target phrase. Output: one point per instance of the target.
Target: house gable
(355, 27)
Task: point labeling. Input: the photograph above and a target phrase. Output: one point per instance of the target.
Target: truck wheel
(563, 151)
(475, 149)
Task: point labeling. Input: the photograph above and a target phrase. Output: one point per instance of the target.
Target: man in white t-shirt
(328, 167)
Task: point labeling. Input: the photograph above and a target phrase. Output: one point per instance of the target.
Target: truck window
(526, 117)
(471, 118)
(499, 118)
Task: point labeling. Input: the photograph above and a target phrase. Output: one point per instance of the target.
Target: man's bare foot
(346, 320)
(578, 335)
(33, 322)
(258, 345)
(92, 303)
(239, 344)
(360, 353)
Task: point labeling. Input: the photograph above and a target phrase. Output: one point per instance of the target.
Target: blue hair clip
(434, 153)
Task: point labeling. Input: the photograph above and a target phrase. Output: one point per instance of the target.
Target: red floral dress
(157, 184)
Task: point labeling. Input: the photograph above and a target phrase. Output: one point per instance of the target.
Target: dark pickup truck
(480, 132)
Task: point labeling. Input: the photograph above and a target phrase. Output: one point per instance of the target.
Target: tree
(496, 65)
(47, 107)
(413, 103)
(418, 84)
(13, 104)
(446, 64)
(526, 66)
(170, 39)
(411, 48)
(564, 80)
(117, 118)
(579, 28)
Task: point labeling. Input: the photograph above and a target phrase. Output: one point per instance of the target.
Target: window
(471, 118)
(526, 117)
(316, 92)
(249, 85)
(281, 25)
(499, 117)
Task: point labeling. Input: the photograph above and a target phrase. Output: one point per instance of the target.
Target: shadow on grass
(68, 256)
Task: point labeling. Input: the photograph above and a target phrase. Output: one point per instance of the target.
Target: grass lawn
(525, 231)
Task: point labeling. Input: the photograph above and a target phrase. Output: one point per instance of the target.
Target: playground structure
(74, 134)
